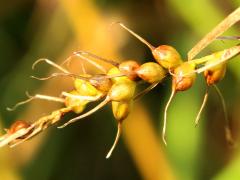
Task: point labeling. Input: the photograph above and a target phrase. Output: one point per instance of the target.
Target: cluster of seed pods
(184, 73)
(118, 85)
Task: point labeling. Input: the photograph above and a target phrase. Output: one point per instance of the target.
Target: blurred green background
(30, 30)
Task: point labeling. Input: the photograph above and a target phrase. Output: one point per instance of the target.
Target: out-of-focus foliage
(54, 29)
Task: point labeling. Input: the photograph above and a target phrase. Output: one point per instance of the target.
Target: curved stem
(136, 35)
(202, 106)
(114, 63)
(228, 133)
(50, 63)
(116, 140)
(79, 54)
(165, 116)
(145, 91)
(61, 74)
(99, 106)
(37, 96)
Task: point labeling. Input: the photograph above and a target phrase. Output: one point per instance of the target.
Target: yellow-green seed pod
(151, 72)
(216, 73)
(184, 76)
(167, 56)
(84, 88)
(122, 91)
(121, 110)
(116, 71)
(78, 105)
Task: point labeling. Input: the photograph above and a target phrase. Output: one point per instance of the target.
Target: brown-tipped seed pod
(167, 56)
(151, 72)
(184, 76)
(129, 67)
(100, 83)
(215, 74)
(121, 110)
(18, 125)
